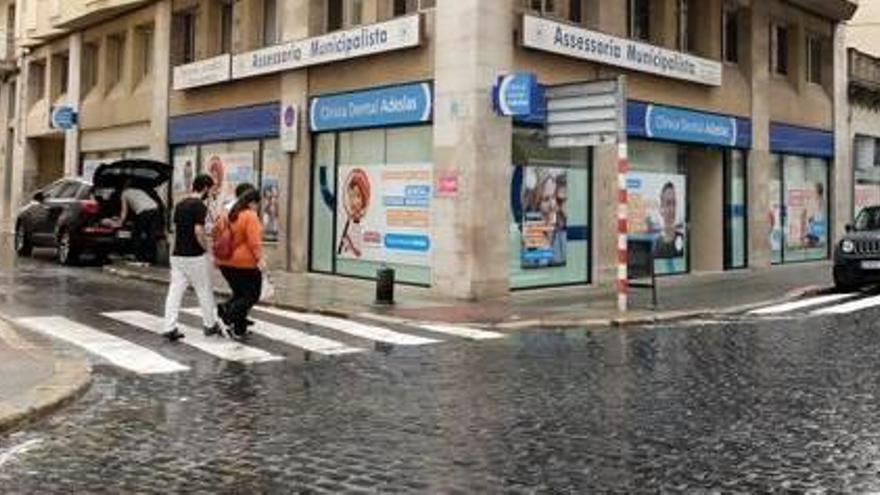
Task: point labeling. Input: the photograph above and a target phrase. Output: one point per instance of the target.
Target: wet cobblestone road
(740, 406)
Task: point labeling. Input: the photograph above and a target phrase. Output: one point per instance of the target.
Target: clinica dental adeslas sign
(387, 36)
(380, 107)
(564, 39)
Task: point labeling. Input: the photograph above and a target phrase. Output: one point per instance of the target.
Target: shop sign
(675, 124)
(383, 107)
(289, 128)
(565, 39)
(64, 117)
(202, 73)
(396, 34)
(517, 95)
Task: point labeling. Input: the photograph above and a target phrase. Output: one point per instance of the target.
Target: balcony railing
(864, 78)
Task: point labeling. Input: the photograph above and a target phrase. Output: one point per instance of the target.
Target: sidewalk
(35, 377)
(679, 297)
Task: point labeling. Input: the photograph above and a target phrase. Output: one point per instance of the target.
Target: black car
(857, 255)
(71, 214)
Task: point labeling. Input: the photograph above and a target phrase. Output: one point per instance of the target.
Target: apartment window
(270, 22)
(10, 32)
(403, 7)
(12, 95)
(684, 41)
(60, 68)
(115, 59)
(144, 51)
(814, 59)
(731, 33)
(89, 67)
(226, 25)
(183, 38)
(36, 81)
(344, 13)
(779, 49)
(575, 11)
(639, 19)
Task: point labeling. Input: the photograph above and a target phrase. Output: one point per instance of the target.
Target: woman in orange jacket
(243, 270)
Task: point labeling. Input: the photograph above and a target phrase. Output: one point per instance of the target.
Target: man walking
(190, 264)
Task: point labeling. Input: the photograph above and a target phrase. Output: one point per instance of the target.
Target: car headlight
(847, 246)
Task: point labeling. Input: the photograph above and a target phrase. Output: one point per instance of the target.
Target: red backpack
(224, 241)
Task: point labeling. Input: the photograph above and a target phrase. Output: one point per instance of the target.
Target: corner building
(369, 125)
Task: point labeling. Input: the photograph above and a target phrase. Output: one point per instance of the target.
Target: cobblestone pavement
(745, 405)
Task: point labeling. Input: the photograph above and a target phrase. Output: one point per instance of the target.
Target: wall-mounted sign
(382, 107)
(517, 95)
(202, 73)
(387, 36)
(565, 39)
(63, 117)
(586, 114)
(675, 124)
(289, 128)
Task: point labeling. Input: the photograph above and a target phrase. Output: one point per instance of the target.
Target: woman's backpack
(224, 241)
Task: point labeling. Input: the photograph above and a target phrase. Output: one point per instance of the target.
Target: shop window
(866, 165)
(639, 19)
(115, 66)
(799, 209)
(144, 50)
(271, 17)
(89, 68)
(60, 71)
(227, 12)
(404, 7)
(730, 43)
(183, 37)
(814, 59)
(36, 81)
(735, 210)
(779, 49)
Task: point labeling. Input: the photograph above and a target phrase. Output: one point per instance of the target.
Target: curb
(69, 381)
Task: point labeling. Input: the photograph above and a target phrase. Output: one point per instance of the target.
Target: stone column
(760, 160)
(603, 224)
(842, 187)
(23, 155)
(297, 15)
(161, 81)
(474, 43)
(74, 85)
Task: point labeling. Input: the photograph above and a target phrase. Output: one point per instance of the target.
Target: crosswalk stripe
(850, 307)
(296, 338)
(222, 348)
(115, 350)
(802, 304)
(464, 332)
(354, 328)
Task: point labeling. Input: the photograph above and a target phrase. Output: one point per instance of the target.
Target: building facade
(370, 127)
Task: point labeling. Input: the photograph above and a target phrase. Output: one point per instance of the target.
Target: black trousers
(146, 225)
(246, 285)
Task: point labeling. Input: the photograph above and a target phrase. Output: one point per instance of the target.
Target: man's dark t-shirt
(187, 214)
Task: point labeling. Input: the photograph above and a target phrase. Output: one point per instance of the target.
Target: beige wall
(706, 197)
(863, 31)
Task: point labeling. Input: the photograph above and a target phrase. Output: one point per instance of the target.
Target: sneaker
(174, 335)
(212, 331)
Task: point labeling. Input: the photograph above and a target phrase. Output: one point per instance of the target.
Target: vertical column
(474, 43)
(759, 159)
(23, 155)
(296, 20)
(74, 85)
(841, 195)
(161, 81)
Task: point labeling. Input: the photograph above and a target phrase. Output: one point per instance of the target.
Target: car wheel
(23, 244)
(67, 253)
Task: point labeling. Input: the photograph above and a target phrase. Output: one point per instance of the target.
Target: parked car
(857, 255)
(71, 214)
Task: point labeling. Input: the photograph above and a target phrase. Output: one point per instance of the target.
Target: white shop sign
(396, 34)
(203, 73)
(564, 39)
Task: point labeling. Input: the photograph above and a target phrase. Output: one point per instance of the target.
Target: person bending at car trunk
(147, 220)
(190, 264)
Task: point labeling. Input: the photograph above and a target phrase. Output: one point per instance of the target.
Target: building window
(866, 165)
(344, 14)
(36, 81)
(575, 11)
(639, 19)
(270, 22)
(115, 59)
(226, 26)
(542, 7)
(89, 68)
(183, 38)
(404, 7)
(779, 49)
(684, 27)
(814, 59)
(145, 50)
(60, 66)
(731, 32)
(10, 32)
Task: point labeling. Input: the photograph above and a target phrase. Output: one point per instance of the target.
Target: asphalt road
(752, 403)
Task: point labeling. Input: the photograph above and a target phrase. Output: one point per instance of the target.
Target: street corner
(37, 378)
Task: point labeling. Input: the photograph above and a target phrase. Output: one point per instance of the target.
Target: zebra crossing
(313, 333)
(821, 305)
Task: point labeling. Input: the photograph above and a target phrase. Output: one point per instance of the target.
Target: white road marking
(18, 450)
(117, 351)
(296, 338)
(802, 304)
(222, 348)
(850, 307)
(464, 332)
(361, 330)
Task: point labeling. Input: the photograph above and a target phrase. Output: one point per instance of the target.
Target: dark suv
(857, 255)
(70, 214)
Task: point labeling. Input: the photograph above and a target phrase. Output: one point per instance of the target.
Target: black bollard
(385, 286)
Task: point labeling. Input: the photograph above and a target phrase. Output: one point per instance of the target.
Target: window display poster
(866, 194)
(545, 218)
(184, 173)
(384, 213)
(806, 210)
(657, 213)
(774, 219)
(270, 210)
(229, 170)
